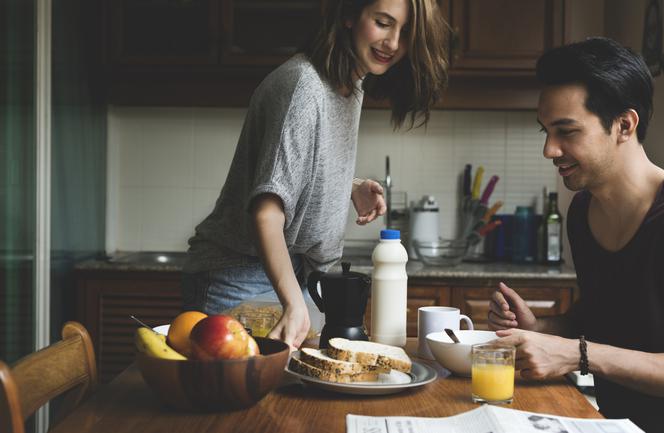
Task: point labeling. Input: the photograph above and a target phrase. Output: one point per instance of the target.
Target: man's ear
(627, 123)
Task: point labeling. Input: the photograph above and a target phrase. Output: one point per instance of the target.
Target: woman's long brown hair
(413, 85)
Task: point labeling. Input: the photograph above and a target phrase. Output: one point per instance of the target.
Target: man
(594, 108)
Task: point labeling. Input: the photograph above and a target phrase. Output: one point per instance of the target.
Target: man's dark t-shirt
(621, 303)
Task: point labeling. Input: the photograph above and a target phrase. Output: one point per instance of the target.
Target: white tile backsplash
(167, 218)
(167, 166)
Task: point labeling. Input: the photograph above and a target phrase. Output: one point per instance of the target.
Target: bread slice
(299, 366)
(369, 353)
(320, 359)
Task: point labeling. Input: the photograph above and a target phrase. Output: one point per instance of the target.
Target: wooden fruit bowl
(220, 385)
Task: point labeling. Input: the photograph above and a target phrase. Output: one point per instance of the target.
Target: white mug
(436, 319)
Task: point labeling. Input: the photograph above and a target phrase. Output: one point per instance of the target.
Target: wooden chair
(64, 368)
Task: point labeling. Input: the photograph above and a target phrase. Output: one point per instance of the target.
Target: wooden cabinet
(164, 32)
(543, 301)
(106, 299)
(494, 45)
(493, 37)
(266, 32)
(199, 52)
(546, 297)
(215, 52)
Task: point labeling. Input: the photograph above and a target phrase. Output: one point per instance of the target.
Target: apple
(252, 347)
(221, 337)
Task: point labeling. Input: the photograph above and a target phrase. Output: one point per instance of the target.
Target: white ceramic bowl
(456, 356)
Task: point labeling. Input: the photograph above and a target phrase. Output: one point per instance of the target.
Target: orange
(178, 333)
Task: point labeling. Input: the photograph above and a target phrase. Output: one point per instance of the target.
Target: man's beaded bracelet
(583, 362)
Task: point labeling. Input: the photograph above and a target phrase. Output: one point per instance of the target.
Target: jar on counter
(523, 230)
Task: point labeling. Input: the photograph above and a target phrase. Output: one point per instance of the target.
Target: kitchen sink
(151, 258)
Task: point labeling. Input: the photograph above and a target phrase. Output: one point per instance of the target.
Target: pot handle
(312, 287)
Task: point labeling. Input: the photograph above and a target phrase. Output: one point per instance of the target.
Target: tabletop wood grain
(128, 405)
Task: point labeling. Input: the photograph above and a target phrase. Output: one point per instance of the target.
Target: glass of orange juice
(492, 373)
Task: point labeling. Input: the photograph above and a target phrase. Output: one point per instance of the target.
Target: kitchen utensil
(492, 211)
(388, 383)
(442, 252)
(424, 223)
(451, 334)
(343, 299)
(456, 356)
(466, 180)
(215, 386)
(488, 190)
(477, 183)
(433, 319)
(488, 228)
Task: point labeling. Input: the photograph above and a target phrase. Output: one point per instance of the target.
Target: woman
(282, 211)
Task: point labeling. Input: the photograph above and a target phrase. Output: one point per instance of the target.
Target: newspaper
(488, 419)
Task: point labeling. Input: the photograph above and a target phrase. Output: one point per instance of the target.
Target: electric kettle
(343, 300)
(424, 223)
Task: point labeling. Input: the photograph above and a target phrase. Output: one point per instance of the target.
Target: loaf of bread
(369, 353)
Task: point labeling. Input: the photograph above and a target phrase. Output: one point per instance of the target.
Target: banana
(154, 344)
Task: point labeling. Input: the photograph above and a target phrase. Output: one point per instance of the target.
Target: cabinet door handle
(455, 43)
(540, 304)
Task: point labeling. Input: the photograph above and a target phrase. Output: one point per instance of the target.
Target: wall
(167, 165)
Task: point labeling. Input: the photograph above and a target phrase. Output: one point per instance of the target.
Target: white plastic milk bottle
(389, 290)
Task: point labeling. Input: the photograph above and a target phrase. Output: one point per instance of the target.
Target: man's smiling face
(576, 141)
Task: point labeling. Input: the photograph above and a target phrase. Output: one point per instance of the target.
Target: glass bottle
(554, 227)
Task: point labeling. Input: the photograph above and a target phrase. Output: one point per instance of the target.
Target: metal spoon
(452, 335)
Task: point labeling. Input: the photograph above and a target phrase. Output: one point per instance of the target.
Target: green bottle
(554, 231)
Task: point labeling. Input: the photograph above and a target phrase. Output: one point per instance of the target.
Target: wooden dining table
(126, 404)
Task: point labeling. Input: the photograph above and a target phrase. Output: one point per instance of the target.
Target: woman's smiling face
(379, 36)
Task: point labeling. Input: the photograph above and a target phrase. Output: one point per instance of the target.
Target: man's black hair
(616, 78)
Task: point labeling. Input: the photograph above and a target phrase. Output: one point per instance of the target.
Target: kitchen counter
(492, 270)
(172, 262)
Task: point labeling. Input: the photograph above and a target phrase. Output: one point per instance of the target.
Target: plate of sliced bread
(359, 367)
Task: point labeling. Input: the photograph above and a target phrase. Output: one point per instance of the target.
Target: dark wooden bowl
(220, 385)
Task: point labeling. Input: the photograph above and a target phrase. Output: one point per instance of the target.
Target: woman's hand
(293, 326)
(367, 196)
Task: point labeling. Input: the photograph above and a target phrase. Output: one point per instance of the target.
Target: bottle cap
(390, 234)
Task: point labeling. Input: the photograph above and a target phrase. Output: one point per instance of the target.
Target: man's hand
(293, 326)
(541, 356)
(508, 310)
(367, 196)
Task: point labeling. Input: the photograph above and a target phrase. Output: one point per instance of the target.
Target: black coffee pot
(343, 299)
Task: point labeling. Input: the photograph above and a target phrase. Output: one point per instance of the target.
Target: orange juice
(493, 382)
